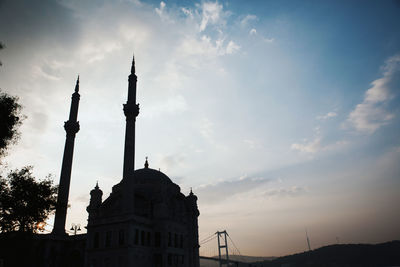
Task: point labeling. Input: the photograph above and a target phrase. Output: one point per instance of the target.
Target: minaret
(71, 128)
(131, 110)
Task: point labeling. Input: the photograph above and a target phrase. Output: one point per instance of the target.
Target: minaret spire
(131, 111)
(133, 71)
(71, 128)
(77, 85)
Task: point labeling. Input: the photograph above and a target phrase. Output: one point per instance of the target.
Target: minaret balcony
(71, 127)
(131, 110)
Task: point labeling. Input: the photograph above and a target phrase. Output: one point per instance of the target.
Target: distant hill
(250, 258)
(245, 259)
(346, 255)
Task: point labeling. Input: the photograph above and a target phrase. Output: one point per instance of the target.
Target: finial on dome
(146, 164)
(77, 85)
(191, 192)
(133, 71)
(97, 185)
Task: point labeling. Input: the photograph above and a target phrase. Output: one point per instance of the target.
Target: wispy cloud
(223, 190)
(212, 14)
(312, 146)
(84, 198)
(269, 40)
(372, 112)
(232, 47)
(316, 145)
(252, 144)
(328, 115)
(160, 10)
(245, 21)
(187, 11)
(171, 161)
(285, 192)
(253, 31)
(205, 46)
(173, 104)
(206, 128)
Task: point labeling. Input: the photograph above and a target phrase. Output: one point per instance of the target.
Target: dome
(150, 176)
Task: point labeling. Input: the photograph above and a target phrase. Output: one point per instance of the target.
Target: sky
(281, 115)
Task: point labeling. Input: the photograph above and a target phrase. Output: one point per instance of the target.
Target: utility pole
(75, 228)
(221, 246)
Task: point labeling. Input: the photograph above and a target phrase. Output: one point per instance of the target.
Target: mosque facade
(146, 221)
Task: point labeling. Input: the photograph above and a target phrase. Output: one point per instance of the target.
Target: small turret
(192, 201)
(193, 238)
(95, 201)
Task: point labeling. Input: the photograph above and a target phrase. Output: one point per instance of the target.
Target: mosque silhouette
(145, 222)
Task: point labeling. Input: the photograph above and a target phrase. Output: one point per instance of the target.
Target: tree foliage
(25, 202)
(10, 120)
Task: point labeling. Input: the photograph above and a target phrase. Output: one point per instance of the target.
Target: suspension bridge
(224, 254)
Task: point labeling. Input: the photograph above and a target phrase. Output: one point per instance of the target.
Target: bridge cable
(207, 240)
(234, 245)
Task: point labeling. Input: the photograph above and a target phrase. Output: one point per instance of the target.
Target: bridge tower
(223, 235)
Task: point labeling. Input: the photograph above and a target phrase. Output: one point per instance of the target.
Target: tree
(10, 120)
(25, 202)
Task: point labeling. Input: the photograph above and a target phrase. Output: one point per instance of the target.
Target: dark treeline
(345, 255)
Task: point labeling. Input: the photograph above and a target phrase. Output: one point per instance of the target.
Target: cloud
(187, 11)
(268, 40)
(39, 121)
(95, 51)
(160, 10)
(247, 19)
(372, 113)
(316, 145)
(232, 48)
(327, 116)
(169, 162)
(49, 69)
(84, 198)
(253, 32)
(250, 143)
(206, 128)
(308, 147)
(39, 71)
(213, 193)
(284, 192)
(211, 14)
(206, 47)
(172, 105)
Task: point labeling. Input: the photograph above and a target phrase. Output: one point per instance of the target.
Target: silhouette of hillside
(346, 255)
(243, 258)
(235, 258)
